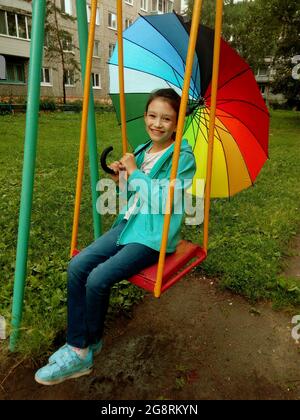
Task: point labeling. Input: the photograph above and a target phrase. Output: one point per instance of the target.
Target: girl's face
(161, 121)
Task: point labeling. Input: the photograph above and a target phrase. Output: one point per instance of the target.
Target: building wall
(20, 48)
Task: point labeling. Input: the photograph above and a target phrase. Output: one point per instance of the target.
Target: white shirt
(150, 160)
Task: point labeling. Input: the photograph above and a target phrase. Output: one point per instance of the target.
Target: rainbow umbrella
(155, 50)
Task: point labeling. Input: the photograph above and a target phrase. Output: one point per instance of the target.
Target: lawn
(249, 234)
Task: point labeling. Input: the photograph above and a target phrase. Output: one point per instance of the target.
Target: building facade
(15, 30)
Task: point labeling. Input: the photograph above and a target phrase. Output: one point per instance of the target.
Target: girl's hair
(168, 95)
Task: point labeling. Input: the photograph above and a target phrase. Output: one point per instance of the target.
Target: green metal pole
(91, 129)
(31, 132)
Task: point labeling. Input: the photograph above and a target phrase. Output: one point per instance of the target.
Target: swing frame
(163, 274)
(169, 269)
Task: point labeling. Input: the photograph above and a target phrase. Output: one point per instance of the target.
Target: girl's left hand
(128, 162)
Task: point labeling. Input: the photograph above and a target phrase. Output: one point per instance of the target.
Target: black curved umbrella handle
(103, 157)
(106, 151)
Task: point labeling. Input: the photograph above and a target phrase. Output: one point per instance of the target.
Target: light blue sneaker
(67, 365)
(96, 348)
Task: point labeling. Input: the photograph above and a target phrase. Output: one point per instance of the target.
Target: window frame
(97, 87)
(145, 3)
(15, 71)
(98, 48)
(43, 83)
(111, 27)
(70, 7)
(17, 36)
(68, 72)
(111, 47)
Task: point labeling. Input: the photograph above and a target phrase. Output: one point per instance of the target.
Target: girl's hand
(116, 167)
(128, 163)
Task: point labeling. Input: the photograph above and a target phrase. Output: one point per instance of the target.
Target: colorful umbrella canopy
(155, 49)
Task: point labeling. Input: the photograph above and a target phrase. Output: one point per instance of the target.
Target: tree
(59, 44)
(287, 53)
(261, 29)
(246, 26)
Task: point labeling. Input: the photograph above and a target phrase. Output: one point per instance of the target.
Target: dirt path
(195, 342)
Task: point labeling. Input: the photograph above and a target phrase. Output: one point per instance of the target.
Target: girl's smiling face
(161, 122)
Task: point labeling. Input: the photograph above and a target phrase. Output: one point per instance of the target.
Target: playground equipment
(163, 275)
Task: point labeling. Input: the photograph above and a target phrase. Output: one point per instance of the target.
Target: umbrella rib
(226, 163)
(145, 72)
(224, 101)
(235, 77)
(246, 166)
(153, 53)
(238, 119)
(198, 121)
(149, 23)
(216, 125)
(231, 78)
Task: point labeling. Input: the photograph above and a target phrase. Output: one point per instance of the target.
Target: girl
(132, 244)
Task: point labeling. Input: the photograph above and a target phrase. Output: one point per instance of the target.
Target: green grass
(249, 234)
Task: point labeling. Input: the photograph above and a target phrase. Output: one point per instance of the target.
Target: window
(111, 50)
(16, 25)
(128, 22)
(3, 25)
(144, 5)
(263, 71)
(96, 80)
(28, 19)
(15, 72)
(67, 42)
(170, 6)
(88, 11)
(22, 26)
(161, 6)
(11, 22)
(129, 2)
(96, 52)
(66, 6)
(69, 78)
(45, 76)
(112, 20)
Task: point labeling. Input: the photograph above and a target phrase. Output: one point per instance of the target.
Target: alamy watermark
(296, 330)
(151, 197)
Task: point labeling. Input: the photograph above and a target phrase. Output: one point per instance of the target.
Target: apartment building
(15, 30)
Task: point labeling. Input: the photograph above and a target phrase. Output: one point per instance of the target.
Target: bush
(5, 109)
(47, 105)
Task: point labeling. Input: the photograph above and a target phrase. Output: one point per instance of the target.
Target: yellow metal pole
(84, 118)
(179, 132)
(121, 74)
(211, 130)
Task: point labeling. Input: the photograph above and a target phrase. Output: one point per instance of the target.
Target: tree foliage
(57, 37)
(287, 52)
(259, 29)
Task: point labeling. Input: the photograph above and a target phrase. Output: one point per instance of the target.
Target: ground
(195, 342)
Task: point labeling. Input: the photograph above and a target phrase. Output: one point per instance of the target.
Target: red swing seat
(175, 267)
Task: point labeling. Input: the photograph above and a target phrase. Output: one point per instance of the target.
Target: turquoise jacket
(145, 226)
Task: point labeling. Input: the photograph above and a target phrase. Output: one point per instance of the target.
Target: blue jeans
(91, 274)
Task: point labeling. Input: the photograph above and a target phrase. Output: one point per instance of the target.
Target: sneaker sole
(58, 381)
